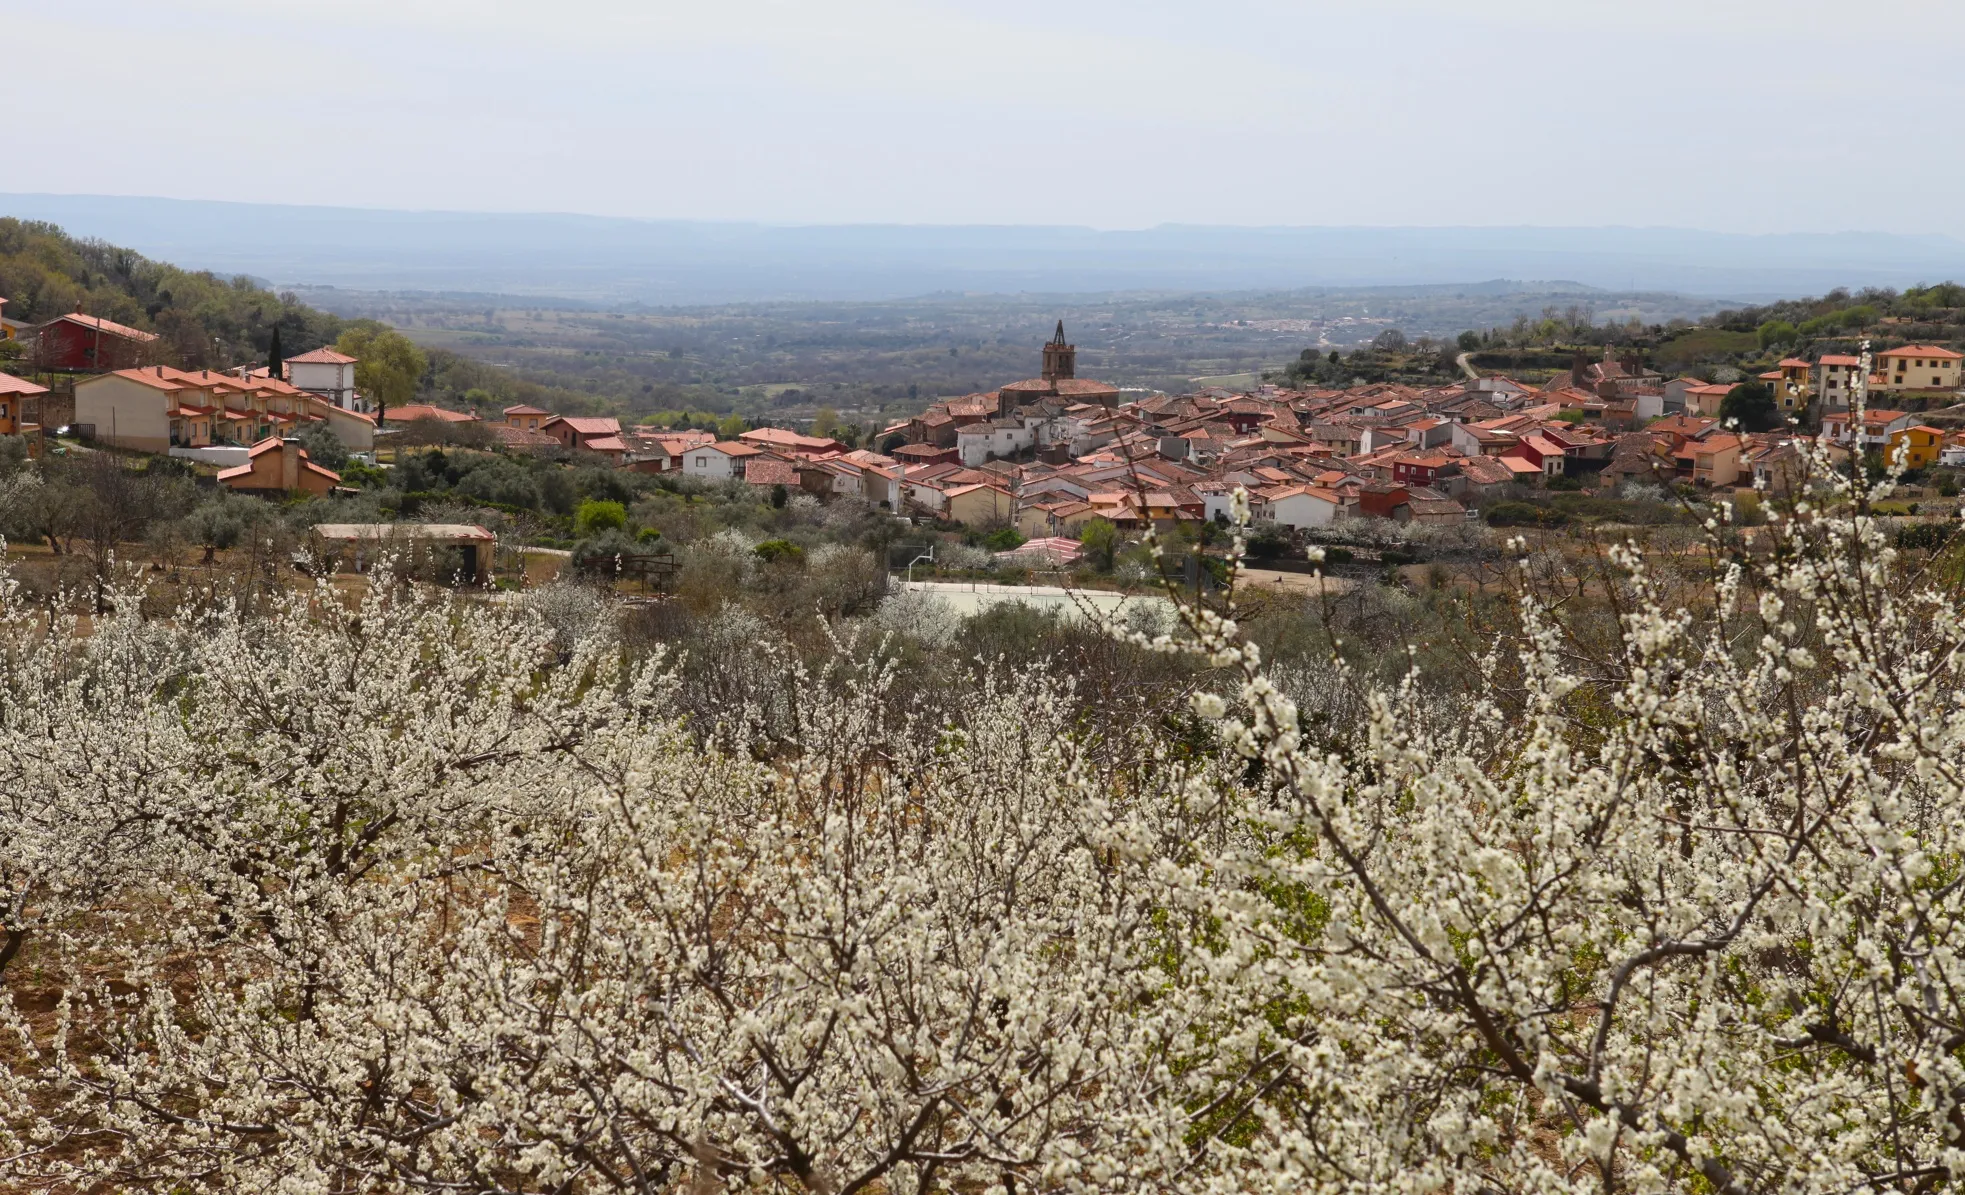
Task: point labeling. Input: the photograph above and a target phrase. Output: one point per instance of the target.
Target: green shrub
(1395, 557)
(1268, 543)
(772, 551)
(1522, 514)
(1339, 555)
(595, 516)
(648, 535)
(1565, 483)
(1003, 539)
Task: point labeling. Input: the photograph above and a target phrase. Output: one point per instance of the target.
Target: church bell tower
(1060, 359)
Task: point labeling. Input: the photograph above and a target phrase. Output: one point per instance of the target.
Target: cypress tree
(273, 355)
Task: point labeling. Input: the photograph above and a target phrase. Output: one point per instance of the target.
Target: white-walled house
(722, 461)
(1304, 506)
(328, 374)
(978, 443)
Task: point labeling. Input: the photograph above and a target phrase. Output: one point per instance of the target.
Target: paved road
(1466, 366)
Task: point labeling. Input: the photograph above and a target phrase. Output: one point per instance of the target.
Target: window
(702, 462)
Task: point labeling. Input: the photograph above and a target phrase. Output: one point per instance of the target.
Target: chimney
(290, 454)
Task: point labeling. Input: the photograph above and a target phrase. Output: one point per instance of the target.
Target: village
(1036, 461)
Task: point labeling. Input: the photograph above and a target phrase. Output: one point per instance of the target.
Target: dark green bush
(1522, 514)
(772, 551)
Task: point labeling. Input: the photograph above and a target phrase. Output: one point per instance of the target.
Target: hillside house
(1835, 380)
(1792, 380)
(1059, 517)
(1703, 398)
(279, 466)
(1877, 427)
(979, 505)
(1919, 443)
(1917, 367)
(580, 431)
(14, 393)
(978, 443)
(157, 408)
(1302, 506)
(417, 412)
(77, 343)
(527, 418)
(1539, 450)
(790, 443)
(329, 374)
(1715, 459)
(723, 461)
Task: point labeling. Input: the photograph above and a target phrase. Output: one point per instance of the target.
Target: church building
(1060, 380)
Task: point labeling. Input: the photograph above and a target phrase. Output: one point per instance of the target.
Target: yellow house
(1792, 380)
(979, 505)
(13, 392)
(1716, 460)
(1919, 443)
(1917, 367)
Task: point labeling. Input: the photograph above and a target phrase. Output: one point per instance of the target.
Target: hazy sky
(1741, 115)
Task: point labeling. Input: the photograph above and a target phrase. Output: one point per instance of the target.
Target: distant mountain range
(673, 262)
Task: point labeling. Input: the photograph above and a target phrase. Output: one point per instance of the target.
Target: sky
(1731, 115)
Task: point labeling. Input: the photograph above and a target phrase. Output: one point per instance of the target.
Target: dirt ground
(1308, 583)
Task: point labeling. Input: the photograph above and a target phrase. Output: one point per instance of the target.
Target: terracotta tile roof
(322, 356)
(1922, 350)
(9, 384)
(102, 325)
(605, 444)
(522, 437)
(771, 470)
(1839, 359)
(590, 425)
(412, 412)
(521, 409)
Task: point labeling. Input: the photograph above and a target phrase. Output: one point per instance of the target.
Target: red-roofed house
(719, 462)
(157, 408)
(279, 466)
(328, 374)
(12, 391)
(77, 343)
(1918, 367)
(614, 448)
(574, 431)
(531, 419)
(1835, 378)
(412, 412)
(790, 443)
(1920, 444)
(979, 505)
(1302, 506)
(1540, 450)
